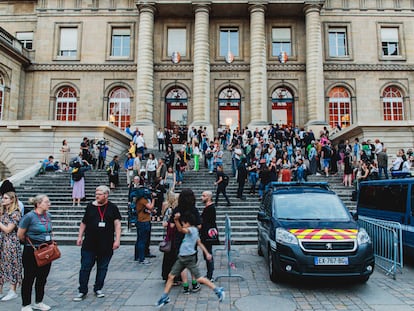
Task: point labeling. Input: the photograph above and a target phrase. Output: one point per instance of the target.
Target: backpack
(226, 180)
(76, 174)
(134, 196)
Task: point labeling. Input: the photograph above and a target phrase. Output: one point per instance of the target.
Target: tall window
(26, 39)
(2, 86)
(339, 107)
(177, 41)
(119, 107)
(389, 41)
(68, 43)
(229, 41)
(281, 41)
(338, 45)
(66, 104)
(121, 42)
(392, 100)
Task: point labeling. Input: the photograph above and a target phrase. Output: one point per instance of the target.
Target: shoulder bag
(45, 253)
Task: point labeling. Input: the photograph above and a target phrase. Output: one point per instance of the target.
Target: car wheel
(259, 248)
(363, 279)
(273, 271)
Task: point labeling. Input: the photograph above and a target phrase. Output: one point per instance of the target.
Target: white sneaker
(10, 295)
(27, 308)
(41, 306)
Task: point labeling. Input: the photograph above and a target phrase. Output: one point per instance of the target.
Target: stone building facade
(212, 63)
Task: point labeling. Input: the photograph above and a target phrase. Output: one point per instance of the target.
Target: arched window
(393, 106)
(339, 107)
(119, 107)
(66, 104)
(282, 106)
(229, 108)
(2, 87)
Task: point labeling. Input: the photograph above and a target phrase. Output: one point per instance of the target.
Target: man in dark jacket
(208, 223)
(382, 159)
(241, 178)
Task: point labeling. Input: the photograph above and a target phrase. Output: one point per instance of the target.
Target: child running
(187, 258)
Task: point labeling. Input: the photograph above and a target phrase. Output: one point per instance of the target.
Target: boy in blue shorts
(187, 258)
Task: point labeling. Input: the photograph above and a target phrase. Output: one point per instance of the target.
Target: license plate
(331, 261)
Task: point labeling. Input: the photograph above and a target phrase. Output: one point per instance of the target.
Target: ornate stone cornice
(173, 68)
(216, 68)
(368, 67)
(232, 67)
(286, 67)
(82, 67)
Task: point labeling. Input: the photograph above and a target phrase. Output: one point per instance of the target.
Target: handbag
(211, 236)
(165, 246)
(45, 253)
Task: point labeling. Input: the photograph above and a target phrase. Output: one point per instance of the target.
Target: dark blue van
(390, 199)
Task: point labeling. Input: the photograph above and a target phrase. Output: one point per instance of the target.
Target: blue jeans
(88, 259)
(178, 176)
(382, 169)
(143, 233)
(253, 178)
(210, 164)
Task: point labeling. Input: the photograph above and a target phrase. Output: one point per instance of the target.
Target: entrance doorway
(229, 108)
(176, 114)
(282, 106)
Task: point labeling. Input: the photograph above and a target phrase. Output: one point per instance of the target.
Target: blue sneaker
(163, 301)
(220, 293)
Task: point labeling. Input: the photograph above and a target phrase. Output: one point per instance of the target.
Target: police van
(392, 200)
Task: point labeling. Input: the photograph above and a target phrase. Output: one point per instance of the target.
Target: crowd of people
(258, 157)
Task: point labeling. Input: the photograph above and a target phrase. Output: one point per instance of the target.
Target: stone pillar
(201, 80)
(314, 65)
(145, 74)
(258, 72)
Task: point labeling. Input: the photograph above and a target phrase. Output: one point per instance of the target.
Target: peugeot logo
(328, 245)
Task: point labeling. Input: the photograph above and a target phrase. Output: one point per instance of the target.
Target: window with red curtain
(339, 107)
(66, 104)
(119, 107)
(393, 106)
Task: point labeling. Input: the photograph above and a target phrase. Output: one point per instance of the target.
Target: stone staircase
(66, 218)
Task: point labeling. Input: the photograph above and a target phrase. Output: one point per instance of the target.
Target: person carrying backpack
(78, 173)
(221, 182)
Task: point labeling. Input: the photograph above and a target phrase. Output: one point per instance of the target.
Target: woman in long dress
(64, 160)
(10, 249)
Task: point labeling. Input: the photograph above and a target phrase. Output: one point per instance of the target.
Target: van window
(391, 198)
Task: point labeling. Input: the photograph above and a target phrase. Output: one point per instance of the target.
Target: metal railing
(386, 239)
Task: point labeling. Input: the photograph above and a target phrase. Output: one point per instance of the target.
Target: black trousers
(221, 189)
(240, 188)
(33, 273)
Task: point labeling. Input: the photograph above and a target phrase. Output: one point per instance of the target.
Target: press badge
(101, 224)
(47, 238)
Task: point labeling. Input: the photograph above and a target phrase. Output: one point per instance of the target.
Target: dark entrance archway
(176, 113)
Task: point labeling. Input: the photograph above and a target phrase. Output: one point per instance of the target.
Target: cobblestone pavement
(130, 286)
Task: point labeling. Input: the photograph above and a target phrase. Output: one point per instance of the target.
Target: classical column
(201, 80)
(258, 73)
(314, 65)
(201, 86)
(145, 73)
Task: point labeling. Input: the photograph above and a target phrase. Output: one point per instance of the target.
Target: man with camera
(144, 208)
(103, 149)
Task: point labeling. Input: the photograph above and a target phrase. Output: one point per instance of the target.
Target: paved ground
(130, 286)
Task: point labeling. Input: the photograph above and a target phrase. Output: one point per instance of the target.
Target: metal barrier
(229, 251)
(386, 239)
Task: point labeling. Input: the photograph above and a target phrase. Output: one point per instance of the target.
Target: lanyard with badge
(102, 223)
(45, 222)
